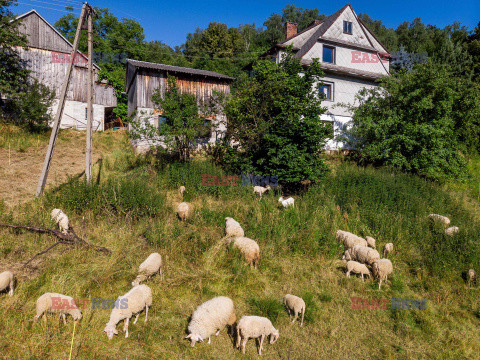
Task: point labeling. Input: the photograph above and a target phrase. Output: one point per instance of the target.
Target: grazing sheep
(357, 268)
(57, 303)
(370, 242)
(181, 190)
(452, 231)
(252, 327)
(133, 302)
(259, 190)
(381, 269)
(61, 219)
(362, 254)
(349, 240)
(149, 267)
(286, 202)
(472, 277)
(210, 318)
(233, 228)
(249, 249)
(296, 305)
(7, 280)
(387, 249)
(184, 210)
(439, 219)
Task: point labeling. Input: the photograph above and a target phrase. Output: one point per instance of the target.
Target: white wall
(74, 115)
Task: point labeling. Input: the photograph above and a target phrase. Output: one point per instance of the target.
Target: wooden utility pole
(61, 105)
(88, 156)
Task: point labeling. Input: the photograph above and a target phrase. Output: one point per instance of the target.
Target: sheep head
(194, 338)
(111, 330)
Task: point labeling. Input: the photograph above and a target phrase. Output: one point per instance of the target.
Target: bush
(268, 307)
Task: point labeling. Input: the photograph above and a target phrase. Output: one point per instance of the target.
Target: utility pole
(88, 153)
(61, 104)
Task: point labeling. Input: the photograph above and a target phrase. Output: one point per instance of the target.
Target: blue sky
(171, 21)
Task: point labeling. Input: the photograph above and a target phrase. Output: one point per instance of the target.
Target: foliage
(274, 118)
(268, 307)
(416, 120)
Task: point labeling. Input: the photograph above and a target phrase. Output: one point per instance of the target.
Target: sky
(171, 21)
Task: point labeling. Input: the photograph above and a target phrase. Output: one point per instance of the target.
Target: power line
(60, 5)
(44, 7)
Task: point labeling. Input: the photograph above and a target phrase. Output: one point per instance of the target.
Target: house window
(328, 54)
(161, 120)
(326, 90)
(347, 27)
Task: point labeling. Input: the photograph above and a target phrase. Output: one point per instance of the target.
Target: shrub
(268, 307)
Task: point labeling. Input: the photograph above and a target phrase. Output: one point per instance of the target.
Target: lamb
(357, 268)
(7, 280)
(57, 303)
(286, 202)
(252, 327)
(370, 242)
(184, 210)
(133, 302)
(149, 267)
(362, 254)
(439, 219)
(387, 249)
(381, 269)
(181, 190)
(472, 277)
(260, 190)
(210, 318)
(61, 219)
(233, 228)
(349, 240)
(452, 231)
(249, 249)
(296, 305)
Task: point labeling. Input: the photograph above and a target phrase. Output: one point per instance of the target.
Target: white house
(350, 55)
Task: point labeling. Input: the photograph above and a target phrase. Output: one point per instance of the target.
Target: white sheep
(210, 318)
(472, 277)
(286, 202)
(249, 249)
(362, 254)
(381, 269)
(149, 267)
(57, 303)
(233, 228)
(439, 219)
(61, 220)
(252, 327)
(357, 268)
(349, 240)
(7, 280)
(181, 190)
(452, 230)
(370, 242)
(387, 249)
(184, 210)
(259, 190)
(133, 302)
(296, 305)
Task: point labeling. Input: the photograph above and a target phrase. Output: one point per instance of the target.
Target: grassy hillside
(131, 211)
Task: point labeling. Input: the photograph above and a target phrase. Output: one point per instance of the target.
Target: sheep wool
(210, 318)
(439, 219)
(61, 219)
(357, 268)
(57, 303)
(472, 277)
(349, 240)
(7, 280)
(148, 268)
(370, 242)
(252, 327)
(387, 249)
(362, 254)
(249, 249)
(259, 190)
(233, 228)
(296, 305)
(286, 202)
(133, 302)
(381, 269)
(181, 190)
(452, 230)
(184, 210)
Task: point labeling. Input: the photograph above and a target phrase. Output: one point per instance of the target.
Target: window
(327, 91)
(347, 27)
(328, 54)
(161, 120)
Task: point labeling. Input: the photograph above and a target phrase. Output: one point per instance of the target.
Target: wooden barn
(143, 78)
(47, 56)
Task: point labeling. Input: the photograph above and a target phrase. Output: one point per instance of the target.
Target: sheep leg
(348, 273)
(125, 327)
(146, 313)
(239, 338)
(136, 318)
(161, 275)
(217, 333)
(64, 321)
(261, 345)
(303, 313)
(11, 290)
(363, 278)
(289, 314)
(209, 339)
(379, 283)
(295, 318)
(244, 343)
(45, 319)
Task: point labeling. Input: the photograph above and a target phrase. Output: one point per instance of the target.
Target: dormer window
(347, 27)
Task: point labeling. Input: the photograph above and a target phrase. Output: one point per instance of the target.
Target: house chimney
(290, 30)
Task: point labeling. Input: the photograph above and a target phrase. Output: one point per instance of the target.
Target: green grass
(131, 211)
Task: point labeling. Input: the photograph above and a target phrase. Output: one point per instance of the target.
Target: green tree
(273, 122)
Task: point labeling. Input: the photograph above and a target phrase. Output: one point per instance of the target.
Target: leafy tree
(273, 122)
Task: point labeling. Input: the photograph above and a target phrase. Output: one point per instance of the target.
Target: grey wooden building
(47, 56)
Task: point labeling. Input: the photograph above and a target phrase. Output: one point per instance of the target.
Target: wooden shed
(48, 56)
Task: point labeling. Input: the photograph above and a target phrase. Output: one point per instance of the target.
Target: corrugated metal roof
(178, 69)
